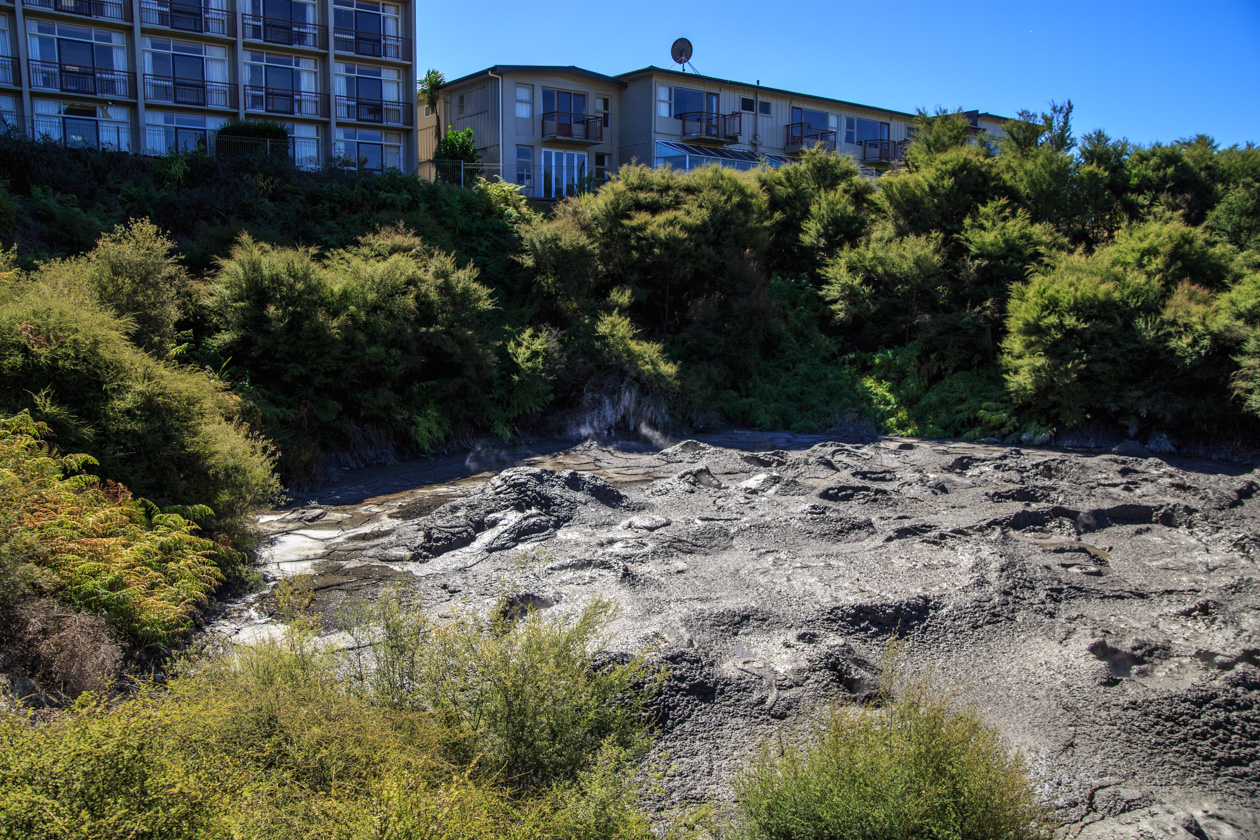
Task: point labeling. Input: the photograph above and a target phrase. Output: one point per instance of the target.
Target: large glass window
(525, 168)
(361, 148)
(672, 101)
(83, 125)
(166, 132)
(185, 73)
(280, 84)
(77, 59)
(563, 102)
(7, 68)
(187, 15)
(290, 22)
(368, 28)
(368, 93)
(563, 173)
(811, 119)
(858, 130)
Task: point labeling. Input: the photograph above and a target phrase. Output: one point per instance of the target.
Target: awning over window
(685, 157)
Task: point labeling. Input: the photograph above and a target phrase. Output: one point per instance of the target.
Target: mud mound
(1101, 609)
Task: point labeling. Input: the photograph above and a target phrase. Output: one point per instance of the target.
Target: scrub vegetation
(181, 338)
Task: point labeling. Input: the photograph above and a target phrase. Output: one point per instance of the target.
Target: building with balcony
(554, 130)
(155, 76)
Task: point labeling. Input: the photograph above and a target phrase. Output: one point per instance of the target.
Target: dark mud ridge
(1100, 608)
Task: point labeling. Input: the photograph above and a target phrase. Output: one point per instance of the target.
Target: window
(368, 149)
(747, 105)
(281, 84)
(288, 22)
(185, 73)
(459, 107)
(83, 126)
(602, 109)
(909, 132)
(563, 173)
(8, 111)
(367, 28)
(6, 63)
(525, 101)
(77, 59)
(858, 130)
(564, 102)
(811, 119)
(672, 101)
(525, 168)
(368, 93)
(166, 132)
(601, 168)
(764, 108)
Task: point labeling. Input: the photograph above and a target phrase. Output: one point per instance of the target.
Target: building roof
(681, 75)
(501, 69)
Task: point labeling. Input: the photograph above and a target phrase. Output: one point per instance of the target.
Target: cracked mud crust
(1101, 609)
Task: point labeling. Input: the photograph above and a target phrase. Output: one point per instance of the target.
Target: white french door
(563, 173)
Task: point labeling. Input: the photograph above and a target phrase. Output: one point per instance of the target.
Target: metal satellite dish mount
(681, 53)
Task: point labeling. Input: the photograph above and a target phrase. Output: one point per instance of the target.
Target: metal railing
(72, 78)
(81, 133)
(9, 71)
(378, 111)
(562, 125)
(372, 44)
(802, 136)
(108, 9)
(290, 33)
(883, 151)
(189, 91)
(456, 172)
(185, 17)
(299, 103)
(306, 152)
(714, 126)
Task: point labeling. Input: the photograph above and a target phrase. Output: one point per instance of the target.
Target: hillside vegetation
(180, 337)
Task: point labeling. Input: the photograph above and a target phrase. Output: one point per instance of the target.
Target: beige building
(152, 76)
(554, 130)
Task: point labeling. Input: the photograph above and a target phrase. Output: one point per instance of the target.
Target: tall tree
(428, 93)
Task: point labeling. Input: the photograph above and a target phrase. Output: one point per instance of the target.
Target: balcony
(189, 92)
(107, 9)
(87, 81)
(288, 33)
(185, 17)
(574, 128)
(296, 103)
(883, 152)
(9, 71)
(802, 136)
(376, 111)
(701, 125)
(372, 44)
(82, 132)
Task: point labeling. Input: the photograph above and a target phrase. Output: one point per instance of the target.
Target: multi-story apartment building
(556, 129)
(152, 76)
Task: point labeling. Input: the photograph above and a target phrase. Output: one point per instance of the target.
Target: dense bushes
(912, 766)
(275, 743)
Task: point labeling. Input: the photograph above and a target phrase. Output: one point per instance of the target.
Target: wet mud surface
(1102, 609)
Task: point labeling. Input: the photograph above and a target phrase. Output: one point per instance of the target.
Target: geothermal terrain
(1101, 608)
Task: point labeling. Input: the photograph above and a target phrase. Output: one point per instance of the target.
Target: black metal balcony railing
(371, 44)
(378, 111)
(566, 126)
(71, 78)
(108, 9)
(189, 91)
(81, 133)
(9, 71)
(298, 103)
(289, 33)
(883, 151)
(715, 126)
(185, 17)
(802, 136)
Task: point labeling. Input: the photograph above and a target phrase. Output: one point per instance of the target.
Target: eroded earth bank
(1101, 608)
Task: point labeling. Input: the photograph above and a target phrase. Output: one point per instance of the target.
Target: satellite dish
(681, 51)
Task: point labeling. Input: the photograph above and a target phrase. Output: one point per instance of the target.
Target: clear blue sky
(1147, 70)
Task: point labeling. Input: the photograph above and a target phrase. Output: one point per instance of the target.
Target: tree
(427, 93)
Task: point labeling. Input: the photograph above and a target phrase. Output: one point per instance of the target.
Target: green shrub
(913, 766)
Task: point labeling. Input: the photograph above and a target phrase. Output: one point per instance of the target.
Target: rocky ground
(1100, 607)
